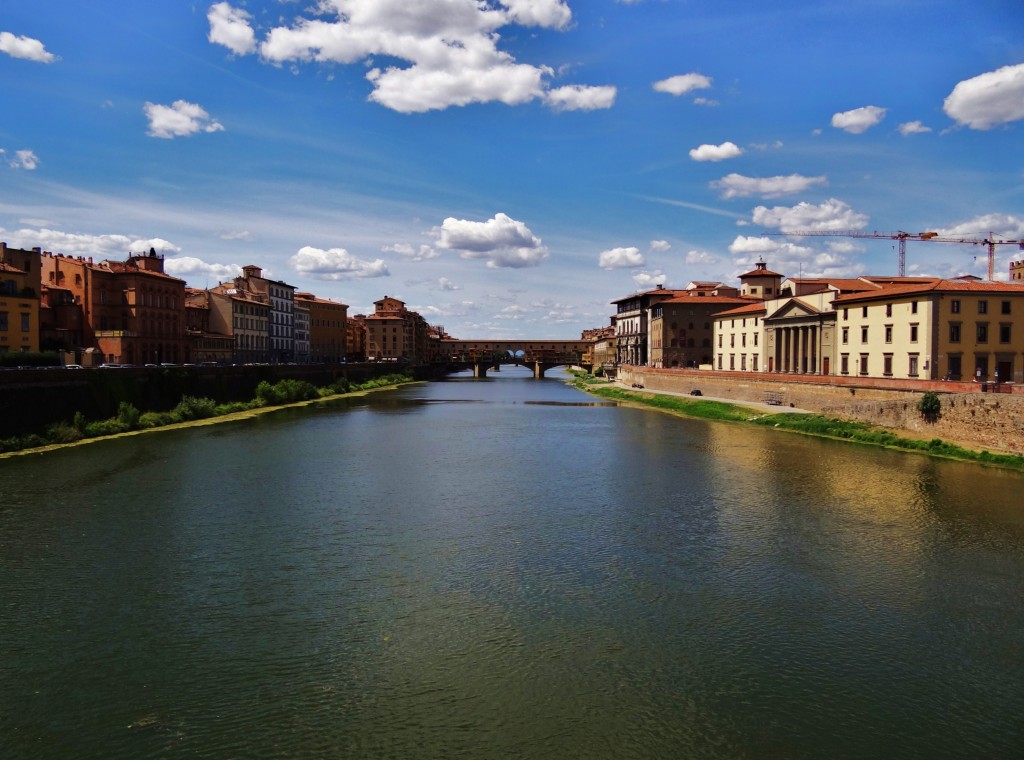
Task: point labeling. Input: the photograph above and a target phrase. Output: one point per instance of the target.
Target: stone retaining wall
(977, 416)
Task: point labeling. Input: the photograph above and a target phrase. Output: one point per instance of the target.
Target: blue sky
(508, 168)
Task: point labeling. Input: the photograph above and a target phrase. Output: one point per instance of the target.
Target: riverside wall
(32, 399)
(973, 415)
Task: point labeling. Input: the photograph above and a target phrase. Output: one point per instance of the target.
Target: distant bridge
(541, 355)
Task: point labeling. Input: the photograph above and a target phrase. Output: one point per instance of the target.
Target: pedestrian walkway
(759, 405)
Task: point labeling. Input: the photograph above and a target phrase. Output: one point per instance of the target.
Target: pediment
(794, 308)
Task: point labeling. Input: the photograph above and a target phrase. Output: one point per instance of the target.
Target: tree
(929, 406)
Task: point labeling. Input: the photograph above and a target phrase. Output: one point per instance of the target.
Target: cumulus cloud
(512, 312)
(660, 245)
(230, 27)
(647, 280)
(189, 266)
(441, 53)
(621, 258)
(716, 152)
(1004, 226)
(113, 246)
(683, 83)
(23, 159)
(25, 48)
(792, 259)
(988, 100)
(700, 257)
(443, 283)
(581, 98)
(336, 264)
(501, 241)
(830, 216)
(859, 119)
(739, 186)
(179, 119)
(705, 102)
(409, 253)
(913, 128)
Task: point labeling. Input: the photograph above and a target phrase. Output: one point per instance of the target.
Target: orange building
(328, 328)
(133, 313)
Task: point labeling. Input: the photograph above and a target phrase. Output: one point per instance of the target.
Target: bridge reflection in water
(538, 355)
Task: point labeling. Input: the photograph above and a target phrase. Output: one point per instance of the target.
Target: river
(506, 568)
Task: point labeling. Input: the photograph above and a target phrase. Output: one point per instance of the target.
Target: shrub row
(189, 408)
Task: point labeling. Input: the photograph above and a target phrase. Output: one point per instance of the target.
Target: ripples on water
(506, 569)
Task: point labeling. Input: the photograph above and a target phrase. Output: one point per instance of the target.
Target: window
(846, 335)
(913, 307)
(887, 365)
(983, 307)
(844, 364)
(863, 335)
(754, 366)
(954, 332)
(983, 332)
(1004, 333)
(864, 312)
(846, 314)
(732, 340)
(743, 340)
(3, 321)
(732, 362)
(719, 340)
(719, 361)
(913, 333)
(1005, 307)
(863, 364)
(954, 306)
(888, 333)
(743, 362)
(24, 322)
(954, 367)
(912, 366)
(888, 310)
(755, 339)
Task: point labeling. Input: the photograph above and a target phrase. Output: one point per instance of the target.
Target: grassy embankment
(191, 410)
(808, 424)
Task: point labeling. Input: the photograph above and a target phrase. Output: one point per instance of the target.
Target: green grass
(808, 424)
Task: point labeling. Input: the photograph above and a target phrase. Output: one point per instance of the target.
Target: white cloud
(512, 312)
(705, 102)
(26, 48)
(115, 246)
(791, 259)
(859, 119)
(913, 128)
(407, 252)
(230, 27)
(739, 186)
(1004, 226)
(577, 97)
(765, 146)
(830, 216)
(682, 84)
(501, 241)
(336, 264)
(440, 53)
(243, 235)
(180, 119)
(621, 258)
(660, 245)
(189, 266)
(443, 283)
(23, 159)
(700, 257)
(716, 152)
(987, 100)
(648, 280)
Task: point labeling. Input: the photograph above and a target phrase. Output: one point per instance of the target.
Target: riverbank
(235, 416)
(791, 420)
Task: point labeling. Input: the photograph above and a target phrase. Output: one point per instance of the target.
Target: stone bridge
(541, 355)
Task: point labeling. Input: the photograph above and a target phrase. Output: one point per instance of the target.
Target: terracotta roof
(839, 283)
(934, 286)
(5, 267)
(664, 291)
(742, 311)
(761, 273)
(693, 297)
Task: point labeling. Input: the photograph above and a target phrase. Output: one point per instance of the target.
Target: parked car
(73, 366)
(696, 392)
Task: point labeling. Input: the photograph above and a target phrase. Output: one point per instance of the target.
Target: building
(393, 333)
(355, 339)
(205, 346)
(19, 310)
(245, 317)
(132, 312)
(631, 321)
(328, 328)
(681, 331)
(301, 331)
(280, 297)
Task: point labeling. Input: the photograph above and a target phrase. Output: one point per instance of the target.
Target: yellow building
(19, 310)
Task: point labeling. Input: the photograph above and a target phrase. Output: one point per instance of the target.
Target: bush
(104, 427)
(193, 408)
(127, 415)
(62, 432)
(929, 406)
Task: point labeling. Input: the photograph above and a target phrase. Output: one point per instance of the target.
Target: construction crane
(903, 237)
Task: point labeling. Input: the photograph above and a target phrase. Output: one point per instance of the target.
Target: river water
(506, 569)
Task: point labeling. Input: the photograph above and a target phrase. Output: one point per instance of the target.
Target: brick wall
(978, 416)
